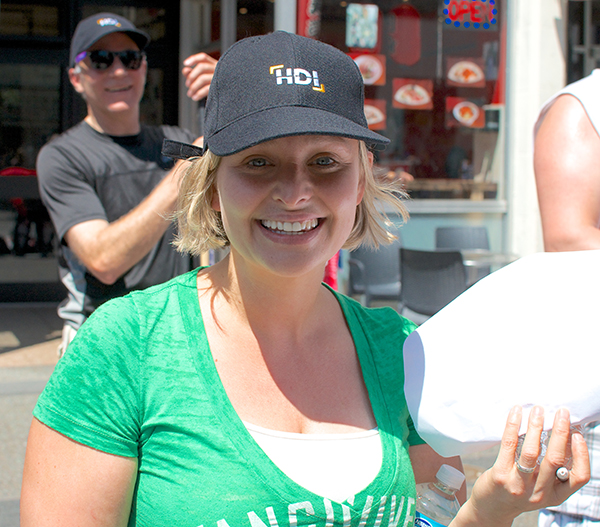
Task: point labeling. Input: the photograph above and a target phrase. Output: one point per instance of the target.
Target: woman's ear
(215, 202)
(361, 181)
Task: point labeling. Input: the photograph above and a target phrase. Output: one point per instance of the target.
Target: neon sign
(475, 14)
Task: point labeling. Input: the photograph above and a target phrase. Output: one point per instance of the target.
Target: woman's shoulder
(144, 304)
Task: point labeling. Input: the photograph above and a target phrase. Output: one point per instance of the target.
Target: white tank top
(335, 466)
(586, 90)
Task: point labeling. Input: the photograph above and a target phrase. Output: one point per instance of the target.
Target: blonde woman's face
(288, 205)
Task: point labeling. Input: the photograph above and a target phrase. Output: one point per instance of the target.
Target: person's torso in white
(336, 466)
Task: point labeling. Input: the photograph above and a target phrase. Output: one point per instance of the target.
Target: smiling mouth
(288, 227)
(117, 90)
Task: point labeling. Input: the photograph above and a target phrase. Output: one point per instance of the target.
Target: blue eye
(258, 162)
(324, 161)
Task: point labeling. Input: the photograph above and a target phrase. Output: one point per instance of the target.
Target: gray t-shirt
(86, 175)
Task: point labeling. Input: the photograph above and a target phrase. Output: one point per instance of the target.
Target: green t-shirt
(139, 381)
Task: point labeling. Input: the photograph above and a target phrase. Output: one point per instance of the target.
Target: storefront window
(253, 17)
(148, 19)
(584, 39)
(433, 85)
(29, 20)
(29, 111)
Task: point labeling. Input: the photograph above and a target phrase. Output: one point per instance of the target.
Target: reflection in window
(433, 85)
(29, 20)
(152, 107)
(148, 19)
(29, 111)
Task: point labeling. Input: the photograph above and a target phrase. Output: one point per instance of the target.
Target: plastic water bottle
(436, 502)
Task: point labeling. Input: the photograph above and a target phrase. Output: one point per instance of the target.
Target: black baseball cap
(93, 28)
(278, 85)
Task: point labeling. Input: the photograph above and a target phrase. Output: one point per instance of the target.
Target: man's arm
(108, 250)
(567, 172)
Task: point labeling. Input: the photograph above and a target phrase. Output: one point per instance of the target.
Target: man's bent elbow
(104, 272)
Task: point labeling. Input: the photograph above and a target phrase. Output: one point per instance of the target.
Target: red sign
(309, 18)
(476, 14)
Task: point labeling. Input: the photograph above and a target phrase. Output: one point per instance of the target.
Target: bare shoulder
(566, 142)
(566, 119)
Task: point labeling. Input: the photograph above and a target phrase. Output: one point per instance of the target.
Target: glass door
(584, 38)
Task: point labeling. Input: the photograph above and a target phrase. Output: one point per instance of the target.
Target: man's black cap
(93, 28)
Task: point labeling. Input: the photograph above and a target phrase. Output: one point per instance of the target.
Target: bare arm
(108, 250)
(426, 462)
(567, 172)
(67, 483)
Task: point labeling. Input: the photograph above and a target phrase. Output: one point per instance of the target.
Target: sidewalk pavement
(28, 342)
(29, 337)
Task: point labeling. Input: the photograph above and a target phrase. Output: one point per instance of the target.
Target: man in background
(105, 183)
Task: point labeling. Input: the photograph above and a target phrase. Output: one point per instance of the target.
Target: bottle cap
(450, 476)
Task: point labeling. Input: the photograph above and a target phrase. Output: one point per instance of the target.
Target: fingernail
(562, 416)
(537, 411)
(515, 414)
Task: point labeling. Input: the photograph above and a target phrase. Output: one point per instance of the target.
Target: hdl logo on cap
(108, 22)
(297, 76)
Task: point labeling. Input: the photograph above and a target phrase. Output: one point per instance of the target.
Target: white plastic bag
(526, 334)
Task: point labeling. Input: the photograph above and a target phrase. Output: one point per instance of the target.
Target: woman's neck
(271, 302)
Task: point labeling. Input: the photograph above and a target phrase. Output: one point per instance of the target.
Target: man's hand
(198, 71)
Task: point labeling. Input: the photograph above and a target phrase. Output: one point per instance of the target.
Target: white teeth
(289, 227)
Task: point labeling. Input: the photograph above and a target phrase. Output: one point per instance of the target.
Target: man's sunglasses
(101, 59)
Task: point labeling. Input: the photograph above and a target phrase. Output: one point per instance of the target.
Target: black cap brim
(286, 121)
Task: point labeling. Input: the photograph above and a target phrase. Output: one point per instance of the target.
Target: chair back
(430, 279)
(376, 273)
(464, 237)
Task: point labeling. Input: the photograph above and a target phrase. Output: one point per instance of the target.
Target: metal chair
(375, 275)
(430, 279)
(464, 237)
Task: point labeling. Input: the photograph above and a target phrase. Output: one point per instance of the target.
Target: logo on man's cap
(108, 22)
(298, 76)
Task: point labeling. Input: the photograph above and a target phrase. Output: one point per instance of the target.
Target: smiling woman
(158, 413)
(201, 228)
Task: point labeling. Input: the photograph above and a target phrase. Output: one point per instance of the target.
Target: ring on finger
(525, 470)
(562, 474)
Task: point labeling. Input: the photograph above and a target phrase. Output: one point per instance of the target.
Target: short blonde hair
(201, 228)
